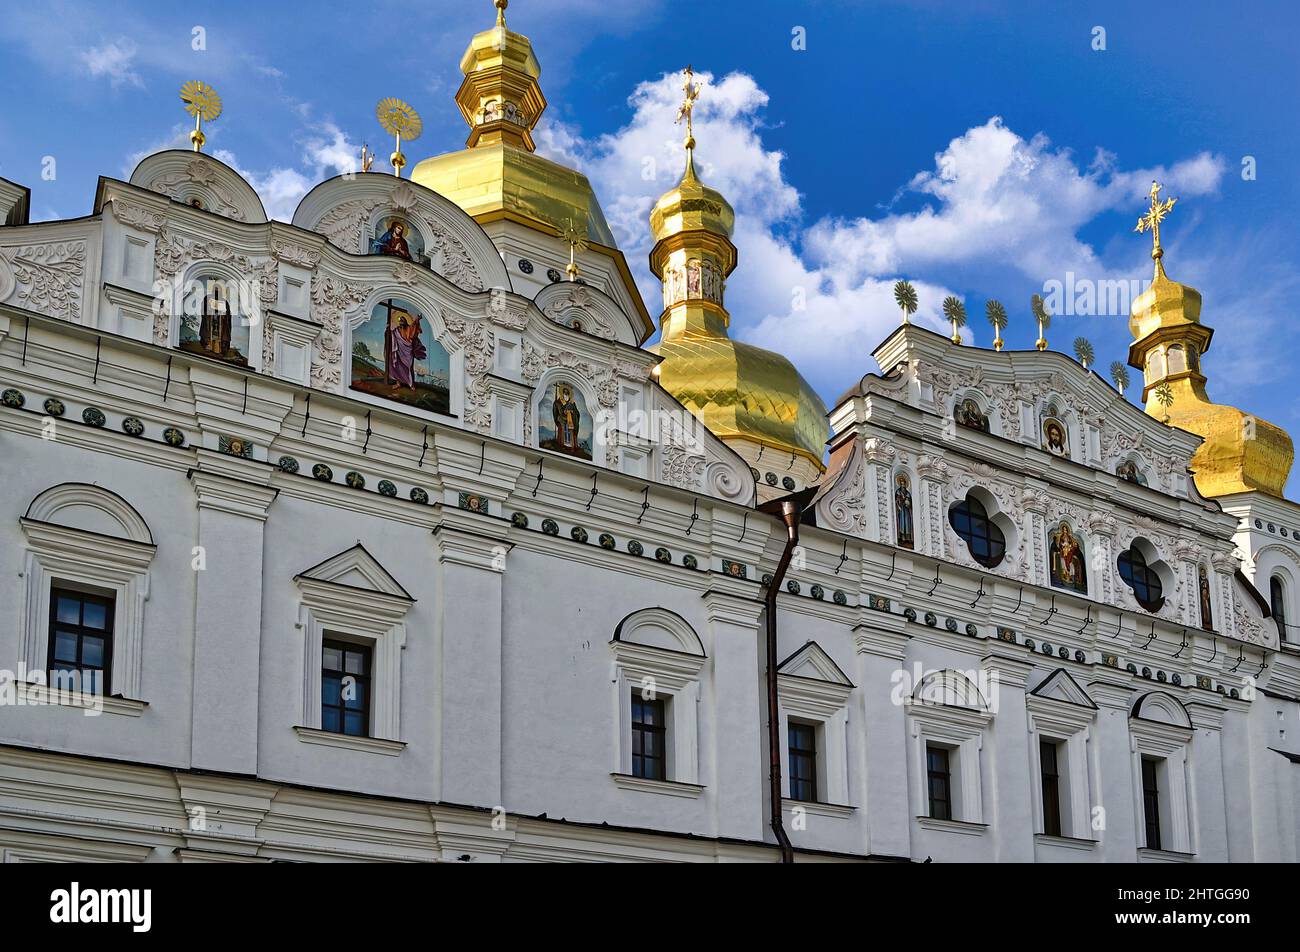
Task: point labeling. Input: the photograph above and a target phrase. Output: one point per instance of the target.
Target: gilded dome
(750, 397)
(740, 391)
(1240, 452)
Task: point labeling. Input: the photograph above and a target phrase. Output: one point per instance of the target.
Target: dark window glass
(971, 521)
(1277, 605)
(81, 640)
(345, 688)
(803, 762)
(649, 738)
(1151, 801)
(1142, 579)
(1047, 752)
(940, 782)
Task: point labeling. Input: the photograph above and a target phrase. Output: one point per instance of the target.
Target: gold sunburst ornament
(400, 120)
(577, 241)
(203, 103)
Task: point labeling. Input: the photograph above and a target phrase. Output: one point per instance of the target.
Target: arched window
(1140, 577)
(1277, 604)
(985, 540)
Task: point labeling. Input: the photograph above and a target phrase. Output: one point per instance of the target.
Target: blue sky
(979, 148)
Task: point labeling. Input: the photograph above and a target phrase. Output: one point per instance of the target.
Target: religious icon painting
(903, 524)
(211, 323)
(1129, 472)
(563, 422)
(1056, 438)
(1066, 560)
(395, 236)
(1207, 607)
(395, 357)
(967, 413)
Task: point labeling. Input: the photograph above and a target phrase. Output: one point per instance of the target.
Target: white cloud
(331, 152)
(280, 189)
(822, 292)
(114, 60)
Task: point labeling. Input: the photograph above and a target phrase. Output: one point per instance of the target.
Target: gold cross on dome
(1151, 220)
(691, 89)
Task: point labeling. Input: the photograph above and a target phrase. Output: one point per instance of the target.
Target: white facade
(507, 637)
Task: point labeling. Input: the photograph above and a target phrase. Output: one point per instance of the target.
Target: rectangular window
(1051, 777)
(649, 738)
(803, 762)
(345, 688)
(81, 640)
(1151, 801)
(940, 782)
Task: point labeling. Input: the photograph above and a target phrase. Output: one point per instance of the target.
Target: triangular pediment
(1059, 686)
(813, 663)
(357, 569)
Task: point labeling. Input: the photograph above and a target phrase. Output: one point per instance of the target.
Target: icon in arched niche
(1066, 559)
(1128, 471)
(1056, 437)
(393, 356)
(1207, 609)
(563, 423)
(396, 237)
(212, 322)
(968, 414)
(903, 511)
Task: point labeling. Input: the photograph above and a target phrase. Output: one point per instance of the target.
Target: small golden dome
(499, 176)
(742, 393)
(1240, 452)
(693, 206)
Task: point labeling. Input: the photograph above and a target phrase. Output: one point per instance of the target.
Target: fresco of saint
(1054, 440)
(1207, 609)
(968, 414)
(394, 357)
(1129, 472)
(403, 347)
(393, 241)
(903, 511)
(563, 424)
(210, 324)
(1066, 560)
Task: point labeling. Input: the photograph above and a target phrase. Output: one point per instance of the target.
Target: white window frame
(85, 559)
(374, 616)
(1068, 725)
(1155, 733)
(674, 676)
(960, 729)
(820, 698)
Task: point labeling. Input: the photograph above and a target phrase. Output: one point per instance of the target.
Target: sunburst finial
(203, 103)
(399, 120)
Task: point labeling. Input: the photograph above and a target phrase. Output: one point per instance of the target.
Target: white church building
(379, 535)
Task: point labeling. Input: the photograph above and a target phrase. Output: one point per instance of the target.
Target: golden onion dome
(1240, 452)
(743, 392)
(498, 174)
(750, 397)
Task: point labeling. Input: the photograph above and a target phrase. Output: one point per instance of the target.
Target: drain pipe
(790, 514)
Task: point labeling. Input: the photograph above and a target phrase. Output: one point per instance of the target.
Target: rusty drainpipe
(790, 514)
